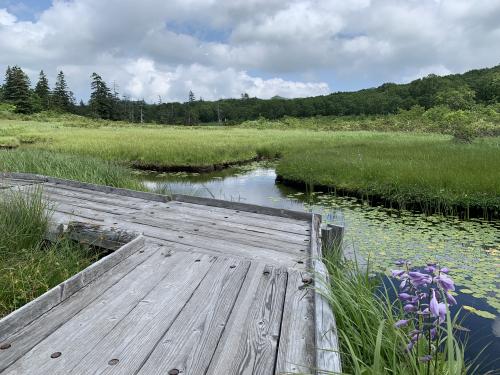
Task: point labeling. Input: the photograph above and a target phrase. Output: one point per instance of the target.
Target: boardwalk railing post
(332, 237)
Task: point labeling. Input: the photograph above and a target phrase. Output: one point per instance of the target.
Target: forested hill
(458, 91)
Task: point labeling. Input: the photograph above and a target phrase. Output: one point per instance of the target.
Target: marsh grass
(9, 142)
(74, 167)
(427, 172)
(28, 265)
(365, 317)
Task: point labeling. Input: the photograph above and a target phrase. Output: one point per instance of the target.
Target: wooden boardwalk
(206, 287)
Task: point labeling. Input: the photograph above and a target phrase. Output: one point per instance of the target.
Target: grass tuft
(28, 265)
(365, 317)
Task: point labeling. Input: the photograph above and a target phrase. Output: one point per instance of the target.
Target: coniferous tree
(7, 94)
(17, 90)
(61, 97)
(42, 90)
(192, 115)
(101, 99)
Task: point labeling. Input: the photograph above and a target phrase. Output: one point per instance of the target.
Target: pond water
(471, 249)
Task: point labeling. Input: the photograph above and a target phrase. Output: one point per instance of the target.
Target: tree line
(458, 92)
(16, 90)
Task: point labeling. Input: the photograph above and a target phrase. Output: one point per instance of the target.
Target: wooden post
(332, 237)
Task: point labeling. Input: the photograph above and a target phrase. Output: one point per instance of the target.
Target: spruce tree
(61, 96)
(101, 99)
(8, 86)
(42, 90)
(17, 90)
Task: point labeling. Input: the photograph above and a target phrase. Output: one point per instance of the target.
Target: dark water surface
(471, 249)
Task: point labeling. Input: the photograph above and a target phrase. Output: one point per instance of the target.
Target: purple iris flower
(445, 282)
(397, 273)
(430, 268)
(410, 308)
(424, 312)
(451, 300)
(403, 284)
(404, 296)
(442, 312)
(425, 358)
(434, 305)
(410, 345)
(415, 337)
(433, 333)
(419, 278)
(444, 270)
(401, 323)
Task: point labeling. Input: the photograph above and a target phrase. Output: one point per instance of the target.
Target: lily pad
(481, 313)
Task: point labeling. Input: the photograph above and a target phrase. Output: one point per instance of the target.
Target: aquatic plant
(378, 335)
(425, 294)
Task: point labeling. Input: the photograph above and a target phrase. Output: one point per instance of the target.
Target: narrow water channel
(471, 249)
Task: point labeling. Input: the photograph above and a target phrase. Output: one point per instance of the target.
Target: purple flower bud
(402, 285)
(430, 269)
(433, 332)
(451, 300)
(399, 262)
(409, 347)
(444, 270)
(417, 275)
(404, 296)
(445, 282)
(397, 273)
(434, 305)
(419, 278)
(410, 308)
(425, 358)
(442, 312)
(401, 323)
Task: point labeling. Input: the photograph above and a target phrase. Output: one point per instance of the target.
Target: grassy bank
(431, 172)
(73, 167)
(29, 266)
(427, 172)
(370, 342)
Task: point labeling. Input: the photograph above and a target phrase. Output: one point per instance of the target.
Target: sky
(152, 49)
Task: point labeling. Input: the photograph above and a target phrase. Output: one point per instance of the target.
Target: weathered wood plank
(190, 342)
(250, 343)
(185, 223)
(298, 215)
(25, 339)
(79, 335)
(221, 246)
(135, 337)
(327, 348)
(161, 198)
(84, 185)
(296, 349)
(191, 210)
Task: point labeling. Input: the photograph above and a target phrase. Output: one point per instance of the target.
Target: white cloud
(147, 81)
(6, 19)
(157, 47)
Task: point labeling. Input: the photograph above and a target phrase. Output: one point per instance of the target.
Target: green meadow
(428, 171)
